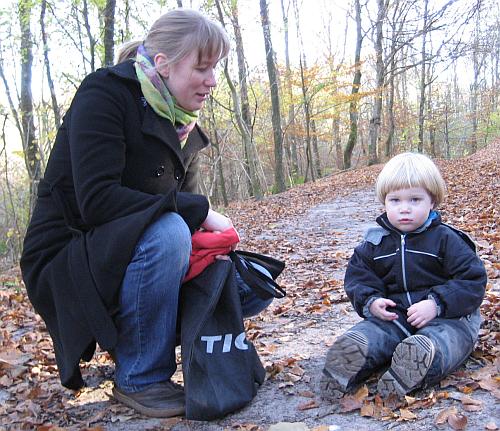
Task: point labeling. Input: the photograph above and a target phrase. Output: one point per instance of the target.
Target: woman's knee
(168, 238)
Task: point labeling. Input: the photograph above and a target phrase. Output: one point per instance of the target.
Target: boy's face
(408, 209)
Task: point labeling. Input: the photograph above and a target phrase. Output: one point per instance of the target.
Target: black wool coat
(115, 167)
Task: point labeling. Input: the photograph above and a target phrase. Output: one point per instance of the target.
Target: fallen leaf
(443, 415)
(307, 406)
(407, 415)
(457, 421)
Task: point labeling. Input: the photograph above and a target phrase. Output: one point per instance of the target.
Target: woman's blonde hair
(408, 170)
(178, 33)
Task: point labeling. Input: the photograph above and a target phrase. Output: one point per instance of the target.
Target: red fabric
(207, 245)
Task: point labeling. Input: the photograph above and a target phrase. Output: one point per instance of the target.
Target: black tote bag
(221, 368)
(264, 286)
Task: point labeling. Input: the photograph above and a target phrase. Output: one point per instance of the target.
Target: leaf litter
(293, 335)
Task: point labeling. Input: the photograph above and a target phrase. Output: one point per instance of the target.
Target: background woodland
(296, 100)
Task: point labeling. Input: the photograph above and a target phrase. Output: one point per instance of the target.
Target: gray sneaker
(344, 361)
(410, 363)
(160, 400)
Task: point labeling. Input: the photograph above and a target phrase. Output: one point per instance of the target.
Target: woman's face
(189, 81)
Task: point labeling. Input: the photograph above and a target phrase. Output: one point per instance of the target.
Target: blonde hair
(408, 170)
(178, 33)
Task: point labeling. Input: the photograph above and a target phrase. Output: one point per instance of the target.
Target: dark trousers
(453, 340)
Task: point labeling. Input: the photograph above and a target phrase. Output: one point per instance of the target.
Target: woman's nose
(210, 80)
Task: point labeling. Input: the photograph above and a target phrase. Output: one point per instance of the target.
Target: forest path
(314, 229)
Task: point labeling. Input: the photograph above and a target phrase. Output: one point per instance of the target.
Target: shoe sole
(148, 411)
(343, 361)
(410, 363)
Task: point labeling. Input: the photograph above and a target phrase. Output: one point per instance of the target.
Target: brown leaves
(455, 420)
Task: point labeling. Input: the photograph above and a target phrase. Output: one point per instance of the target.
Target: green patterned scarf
(159, 98)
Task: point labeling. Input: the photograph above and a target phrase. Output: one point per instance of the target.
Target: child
(416, 282)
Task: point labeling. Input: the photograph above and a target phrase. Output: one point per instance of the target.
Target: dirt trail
(292, 337)
(298, 336)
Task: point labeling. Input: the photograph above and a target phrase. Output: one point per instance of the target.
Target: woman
(110, 237)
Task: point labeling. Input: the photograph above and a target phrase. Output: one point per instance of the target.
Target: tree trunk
(290, 141)
(353, 105)
(50, 82)
(315, 149)
(375, 121)
(423, 75)
(29, 139)
(279, 179)
(251, 159)
(92, 41)
(109, 32)
(221, 182)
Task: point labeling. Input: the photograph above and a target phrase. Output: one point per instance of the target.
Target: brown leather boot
(160, 400)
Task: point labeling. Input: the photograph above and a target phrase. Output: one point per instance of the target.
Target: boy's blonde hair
(409, 170)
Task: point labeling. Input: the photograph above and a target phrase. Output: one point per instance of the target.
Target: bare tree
(290, 141)
(279, 180)
(109, 32)
(376, 118)
(353, 105)
(28, 132)
(50, 82)
(241, 108)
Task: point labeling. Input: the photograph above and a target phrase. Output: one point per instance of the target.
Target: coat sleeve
(465, 289)
(361, 283)
(98, 156)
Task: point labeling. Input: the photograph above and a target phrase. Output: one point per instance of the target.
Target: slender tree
(50, 82)
(353, 105)
(279, 179)
(28, 136)
(240, 111)
(290, 141)
(376, 118)
(423, 75)
(109, 32)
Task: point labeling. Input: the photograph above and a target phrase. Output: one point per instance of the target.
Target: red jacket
(207, 245)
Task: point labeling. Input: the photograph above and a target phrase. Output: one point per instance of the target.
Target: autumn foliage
(32, 398)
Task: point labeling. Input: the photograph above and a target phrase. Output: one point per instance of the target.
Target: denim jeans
(148, 303)
(453, 340)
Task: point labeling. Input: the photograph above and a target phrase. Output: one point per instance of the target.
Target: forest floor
(314, 229)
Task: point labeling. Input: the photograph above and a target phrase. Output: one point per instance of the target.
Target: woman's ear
(161, 64)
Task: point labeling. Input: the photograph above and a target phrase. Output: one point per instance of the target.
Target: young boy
(416, 282)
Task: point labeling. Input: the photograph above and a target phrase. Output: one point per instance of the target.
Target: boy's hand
(421, 313)
(379, 309)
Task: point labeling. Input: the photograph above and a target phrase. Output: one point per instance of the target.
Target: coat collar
(435, 220)
(158, 127)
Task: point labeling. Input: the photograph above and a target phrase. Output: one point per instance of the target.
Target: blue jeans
(453, 340)
(148, 303)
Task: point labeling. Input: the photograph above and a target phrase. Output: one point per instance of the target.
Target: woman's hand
(421, 313)
(216, 222)
(379, 309)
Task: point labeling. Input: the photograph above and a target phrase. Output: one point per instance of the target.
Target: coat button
(178, 175)
(160, 171)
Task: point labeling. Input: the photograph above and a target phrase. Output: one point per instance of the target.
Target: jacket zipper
(404, 269)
